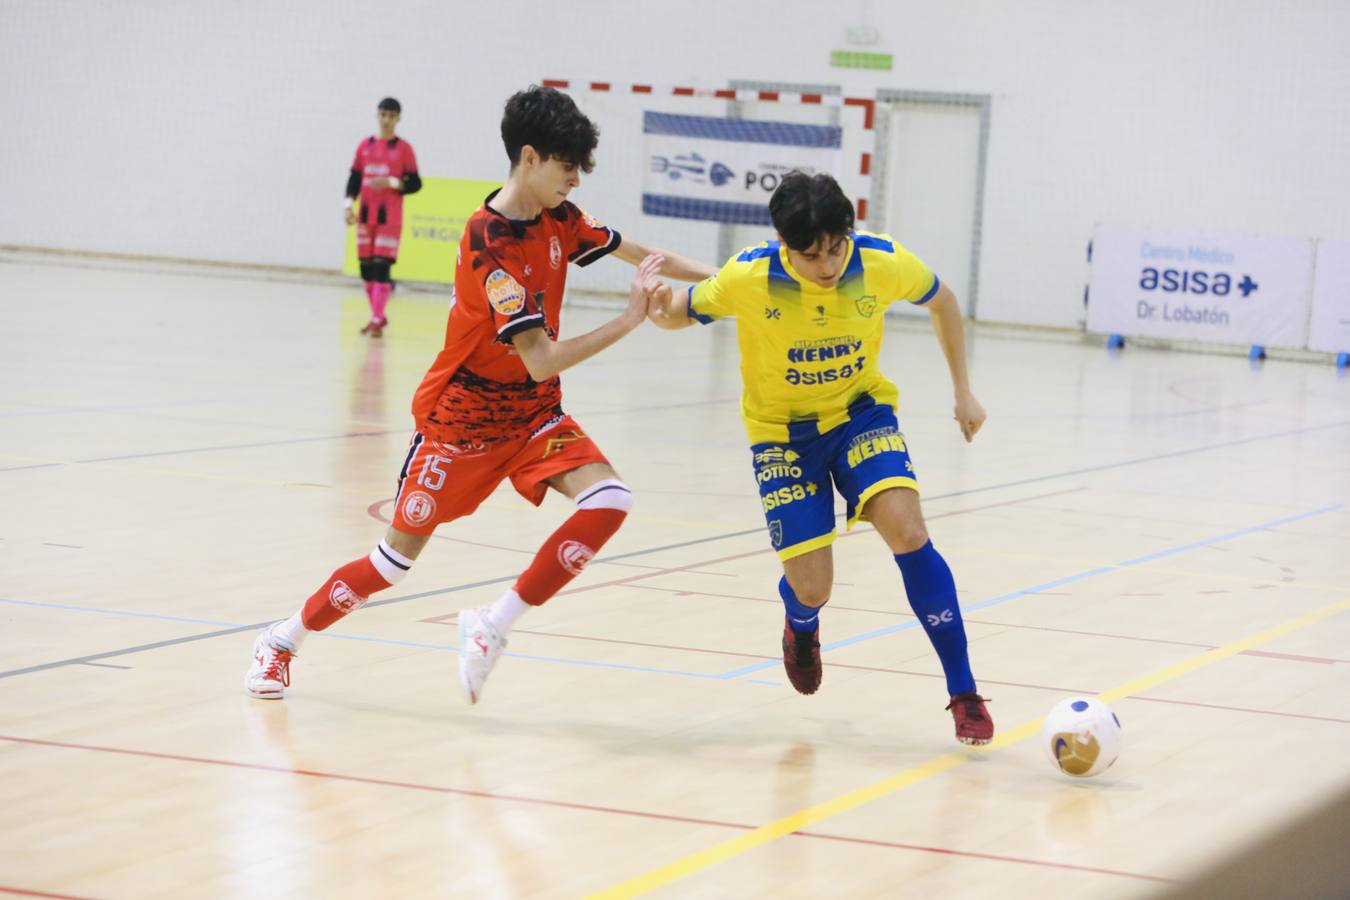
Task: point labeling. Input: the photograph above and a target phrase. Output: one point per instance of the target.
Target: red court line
(1294, 656)
(888, 671)
(904, 615)
(586, 807)
(970, 854)
(722, 559)
(378, 782)
(1264, 712)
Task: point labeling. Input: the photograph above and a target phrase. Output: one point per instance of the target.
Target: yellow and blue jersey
(809, 353)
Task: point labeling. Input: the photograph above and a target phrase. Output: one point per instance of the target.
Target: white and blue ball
(1082, 736)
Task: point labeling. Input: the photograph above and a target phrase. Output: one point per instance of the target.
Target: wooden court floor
(185, 454)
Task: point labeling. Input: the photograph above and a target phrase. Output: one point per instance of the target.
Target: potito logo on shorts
(506, 295)
(776, 462)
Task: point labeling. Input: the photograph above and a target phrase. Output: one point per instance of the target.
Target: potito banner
(1198, 286)
(433, 221)
(725, 170)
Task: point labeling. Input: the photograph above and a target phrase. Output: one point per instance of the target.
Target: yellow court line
(799, 821)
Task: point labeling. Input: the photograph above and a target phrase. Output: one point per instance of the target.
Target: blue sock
(802, 619)
(932, 596)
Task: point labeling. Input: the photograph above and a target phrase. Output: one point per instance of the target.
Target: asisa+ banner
(1200, 286)
(725, 170)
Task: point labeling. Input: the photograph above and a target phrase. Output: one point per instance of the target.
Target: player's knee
(811, 590)
(392, 565)
(908, 537)
(608, 494)
(816, 595)
(380, 270)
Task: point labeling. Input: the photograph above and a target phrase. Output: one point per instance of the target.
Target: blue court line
(117, 612)
(1274, 523)
(235, 627)
(724, 676)
(1069, 579)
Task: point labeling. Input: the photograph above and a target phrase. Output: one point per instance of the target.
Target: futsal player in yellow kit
(821, 417)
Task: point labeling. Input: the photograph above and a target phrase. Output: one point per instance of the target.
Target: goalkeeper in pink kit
(384, 169)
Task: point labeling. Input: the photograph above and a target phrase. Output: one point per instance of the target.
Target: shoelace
(971, 706)
(280, 667)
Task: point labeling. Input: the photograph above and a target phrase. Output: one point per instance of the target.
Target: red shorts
(442, 482)
(378, 240)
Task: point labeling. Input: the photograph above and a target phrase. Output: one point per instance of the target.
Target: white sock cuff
(391, 564)
(291, 632)
(506, 610)
(608, 494)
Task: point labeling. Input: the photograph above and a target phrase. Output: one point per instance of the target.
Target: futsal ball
(1082, 736)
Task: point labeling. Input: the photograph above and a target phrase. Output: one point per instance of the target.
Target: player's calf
(601, 509)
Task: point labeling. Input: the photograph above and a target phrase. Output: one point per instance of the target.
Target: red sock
(343, 592)
(566, 553)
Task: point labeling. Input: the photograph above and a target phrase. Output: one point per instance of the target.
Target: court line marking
(565, 804)
(26, 893)
(680, 869)
(185, 452)
(80, 410)
(709, 676)
(231, 628)
(725, 676)
(1058, 582)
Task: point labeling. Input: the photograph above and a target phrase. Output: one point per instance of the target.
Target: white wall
(225, 131)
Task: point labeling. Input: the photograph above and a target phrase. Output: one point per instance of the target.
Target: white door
(929, 185)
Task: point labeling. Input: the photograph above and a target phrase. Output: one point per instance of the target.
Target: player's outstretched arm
(545, 358)
(681, 268)
(945, 312)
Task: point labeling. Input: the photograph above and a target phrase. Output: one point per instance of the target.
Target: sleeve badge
(506, 295)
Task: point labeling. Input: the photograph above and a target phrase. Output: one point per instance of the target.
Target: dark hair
(390, 103)
(804, 207)
(549, 121)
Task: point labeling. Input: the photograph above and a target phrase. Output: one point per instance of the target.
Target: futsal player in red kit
(384, 170)
(490, 408)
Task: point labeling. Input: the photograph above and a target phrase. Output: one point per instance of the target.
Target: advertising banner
(1197, 286)
(724, 170)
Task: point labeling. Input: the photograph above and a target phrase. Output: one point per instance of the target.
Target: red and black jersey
(509, 278)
